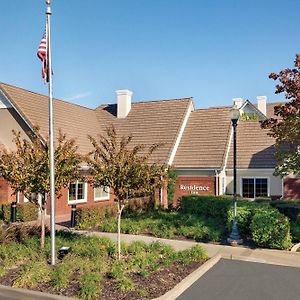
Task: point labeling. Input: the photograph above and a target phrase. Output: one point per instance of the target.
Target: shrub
(90, 286)
(208, 206)
(271, 229)
(117, 270)
(33, 274)
(95, 215)
(244, 218)
(290, 209)
(25, 212)
(295, 230)
(164, 231)
(138, 205)
(126, 284)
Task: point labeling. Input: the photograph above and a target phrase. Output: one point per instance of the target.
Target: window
(101, 193)
(254, 187)
(77, 192)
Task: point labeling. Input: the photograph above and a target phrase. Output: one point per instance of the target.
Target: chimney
(123, 103)
(238, 102)
(262, 104)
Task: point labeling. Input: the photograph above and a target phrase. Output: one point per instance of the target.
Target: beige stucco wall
(275, 183)
(10, 121)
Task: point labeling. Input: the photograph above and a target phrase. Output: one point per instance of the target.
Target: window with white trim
(255, 187)
(101, 193)
(77, 192)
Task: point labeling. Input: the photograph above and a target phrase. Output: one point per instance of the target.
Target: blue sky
(160, 49)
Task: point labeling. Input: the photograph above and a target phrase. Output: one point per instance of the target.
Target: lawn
(92, 271)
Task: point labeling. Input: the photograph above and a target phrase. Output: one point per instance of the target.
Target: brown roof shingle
(74, 120)
(203, 144)
(149, 123)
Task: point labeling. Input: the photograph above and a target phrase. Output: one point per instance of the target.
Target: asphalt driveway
(240, 280)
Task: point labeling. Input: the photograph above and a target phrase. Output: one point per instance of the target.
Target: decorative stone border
(189, 280)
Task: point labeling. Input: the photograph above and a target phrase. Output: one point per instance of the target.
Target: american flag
(42, 54)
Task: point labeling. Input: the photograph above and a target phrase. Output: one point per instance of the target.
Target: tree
(125, 169)
(285, 127)
(27, 169)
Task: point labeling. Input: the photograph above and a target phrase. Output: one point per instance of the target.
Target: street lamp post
(234, 237)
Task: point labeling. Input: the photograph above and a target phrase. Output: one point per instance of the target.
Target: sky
(211, 50)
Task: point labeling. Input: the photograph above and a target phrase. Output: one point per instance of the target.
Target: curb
(24, 294)
(295, 247)
(189, 280)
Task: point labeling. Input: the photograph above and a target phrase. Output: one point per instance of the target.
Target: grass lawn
(164, 224)
(91, 270)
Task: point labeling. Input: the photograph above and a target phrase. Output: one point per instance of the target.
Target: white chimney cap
(262, 104)
(123, 103)
(237, 102)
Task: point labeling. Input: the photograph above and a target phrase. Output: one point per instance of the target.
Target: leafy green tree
(27, 169)
(125, 169)
(285, 127)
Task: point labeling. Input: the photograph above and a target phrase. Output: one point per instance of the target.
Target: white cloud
(79, 96)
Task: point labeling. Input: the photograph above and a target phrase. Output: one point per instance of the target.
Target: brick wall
(62, 207)
(6, 192)
(186, 185)
(291, 189)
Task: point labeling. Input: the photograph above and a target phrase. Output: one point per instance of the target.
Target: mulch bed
(154, 285)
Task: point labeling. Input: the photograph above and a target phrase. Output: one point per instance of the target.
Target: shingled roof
(205, 139)
(74, 120)
(148, 122)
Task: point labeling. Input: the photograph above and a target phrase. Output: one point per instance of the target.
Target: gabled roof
(149, 122)
(255, 148)
(74, 120)
(205, 139)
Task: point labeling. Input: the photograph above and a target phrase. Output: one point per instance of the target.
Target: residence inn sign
(197, 185)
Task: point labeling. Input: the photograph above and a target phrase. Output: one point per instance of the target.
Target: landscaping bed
(201, 218)
(92, 271)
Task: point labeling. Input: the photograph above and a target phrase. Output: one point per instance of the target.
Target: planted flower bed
(91, 270)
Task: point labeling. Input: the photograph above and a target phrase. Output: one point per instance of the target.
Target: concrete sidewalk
(276, 257)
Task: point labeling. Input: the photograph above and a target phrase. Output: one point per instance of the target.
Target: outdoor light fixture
(234, 237)
(63, 251)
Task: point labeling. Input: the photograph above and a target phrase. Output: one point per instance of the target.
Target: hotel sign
(193, 189)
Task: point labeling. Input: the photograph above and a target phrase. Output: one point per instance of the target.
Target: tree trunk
(42, 218)
(120, 209)
(42, 227)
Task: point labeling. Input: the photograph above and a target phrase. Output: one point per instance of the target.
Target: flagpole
(51, 140)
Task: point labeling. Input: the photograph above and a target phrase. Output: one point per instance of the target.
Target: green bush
(208, 206)
(90, 286)
(244, 218)
(25, 212)
(94, 215)
(271, 229)
(295, 230)
(290, 209)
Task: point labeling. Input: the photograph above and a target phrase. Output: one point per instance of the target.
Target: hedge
(94, 215)
(250, 216)
(269, 228)
(25, 212)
